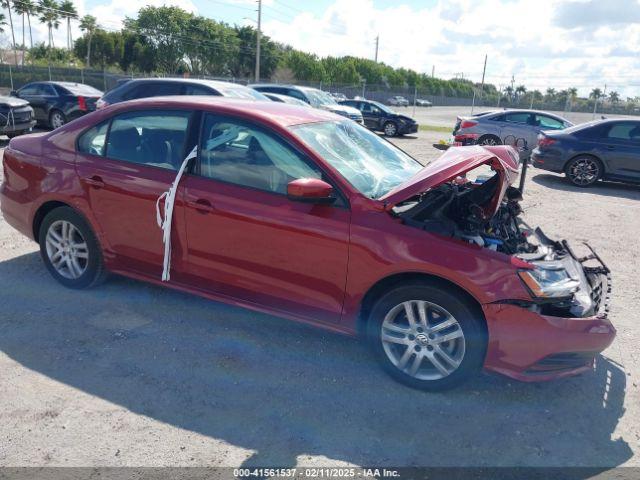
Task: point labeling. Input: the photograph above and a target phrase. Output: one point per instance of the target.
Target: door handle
(201, 205)
(610, 147)
(94, 181)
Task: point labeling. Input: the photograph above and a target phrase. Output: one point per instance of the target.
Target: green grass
(435, 128)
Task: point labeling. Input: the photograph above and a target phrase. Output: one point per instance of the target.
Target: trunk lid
(456, 162)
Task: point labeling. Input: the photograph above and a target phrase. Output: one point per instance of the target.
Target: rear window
(241, 92)
(82, 90)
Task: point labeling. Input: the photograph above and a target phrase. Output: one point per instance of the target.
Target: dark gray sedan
(607, 149)
(506, 126)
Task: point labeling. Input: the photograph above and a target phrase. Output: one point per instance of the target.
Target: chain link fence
(13, 77)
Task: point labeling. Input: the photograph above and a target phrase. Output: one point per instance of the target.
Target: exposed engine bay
(560, 282)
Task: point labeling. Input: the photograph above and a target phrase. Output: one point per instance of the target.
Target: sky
(541, 43)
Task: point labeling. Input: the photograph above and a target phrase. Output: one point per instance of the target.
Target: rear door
(518, 126)
(620, 149)
(125, 164)
(35, 94)
(371, 115)
(247, 240)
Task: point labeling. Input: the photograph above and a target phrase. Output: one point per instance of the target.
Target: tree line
(170, 40)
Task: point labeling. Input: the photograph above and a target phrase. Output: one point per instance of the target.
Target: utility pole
(433, 71)
(258, 35)
(484, 71)
(377, 45)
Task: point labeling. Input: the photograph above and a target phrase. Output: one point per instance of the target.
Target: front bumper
(17, 127)
(530, 344)
(408, 128)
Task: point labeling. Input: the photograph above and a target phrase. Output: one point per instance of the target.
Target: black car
(608, 149)
(160, 87)
(16, 116)
(56, 103)
(381, 118)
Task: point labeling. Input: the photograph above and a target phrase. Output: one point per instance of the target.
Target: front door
(125, 164)
(247, 240)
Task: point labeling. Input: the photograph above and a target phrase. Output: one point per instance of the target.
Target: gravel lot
(130, 374)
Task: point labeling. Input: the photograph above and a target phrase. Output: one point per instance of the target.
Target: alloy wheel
(67, 250)
(489, 141)
(57, 120)
(423, 340)
(584, 171)
(390, 129)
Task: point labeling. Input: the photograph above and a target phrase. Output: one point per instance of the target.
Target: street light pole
(258, 35)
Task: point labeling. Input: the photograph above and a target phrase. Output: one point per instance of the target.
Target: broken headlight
(549, 281)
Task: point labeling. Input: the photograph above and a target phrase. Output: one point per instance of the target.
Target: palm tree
(573, 94)
(520, 91)
(595, 94)
(7, 4)
(3, 22)
(49, 14)
(68, 11)
(28, 8)
(88, 24)
(614, 97)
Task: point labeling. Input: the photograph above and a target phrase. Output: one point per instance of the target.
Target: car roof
(198, 81)
(282, 114)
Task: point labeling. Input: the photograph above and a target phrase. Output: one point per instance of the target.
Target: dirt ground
(130, 374)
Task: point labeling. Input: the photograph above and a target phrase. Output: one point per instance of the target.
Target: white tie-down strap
(170, 197)
(165, 223)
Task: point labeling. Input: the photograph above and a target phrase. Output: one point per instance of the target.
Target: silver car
(514, 127)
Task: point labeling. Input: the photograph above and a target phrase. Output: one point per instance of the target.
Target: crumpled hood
(12, 102)
(456, 162)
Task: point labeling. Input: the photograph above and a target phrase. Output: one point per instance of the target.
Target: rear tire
(70, 250)
(489, 140)
(56, 119)
(583, 171)
(441, 347)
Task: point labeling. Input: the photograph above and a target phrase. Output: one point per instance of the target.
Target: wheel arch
(385, 284)
(588, 154)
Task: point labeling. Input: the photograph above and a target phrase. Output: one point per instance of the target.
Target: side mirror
(311, 190)
(13, 93)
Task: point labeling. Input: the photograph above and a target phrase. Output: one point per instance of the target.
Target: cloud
(596, 13)
(520, 37)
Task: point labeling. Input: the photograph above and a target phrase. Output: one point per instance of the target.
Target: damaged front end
(467, 195)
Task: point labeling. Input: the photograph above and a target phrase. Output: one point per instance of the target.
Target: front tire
(390, 129)
(583, 171)
(70, 249)
(57, 119)
(426, 337)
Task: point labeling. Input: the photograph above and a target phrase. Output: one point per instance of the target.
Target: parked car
(494, 128)
(16, 116)
(398, 101)
(276, 97)
(301, 213)
(606, 149)
(381, 118)
(56, 103)
(312, 96)
(421, 102)
(338, 97)
(160, 87)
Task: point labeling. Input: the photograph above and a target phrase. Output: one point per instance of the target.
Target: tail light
(544, 141)
(101, 103)
(468, 124)
(82, 103)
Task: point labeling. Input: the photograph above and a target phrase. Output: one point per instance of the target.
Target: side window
(236, 152)
(296, 94)
(544, 121)
(30, 90)
(93, 140)
(497, 118)
(48, 90)
(624, 131)
(192, 89)
(517, 118)
(154, 89)
(156, 138)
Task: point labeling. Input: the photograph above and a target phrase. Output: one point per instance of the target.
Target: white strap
(164, 222)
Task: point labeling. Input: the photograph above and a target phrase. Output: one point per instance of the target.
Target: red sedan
(307, 215)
